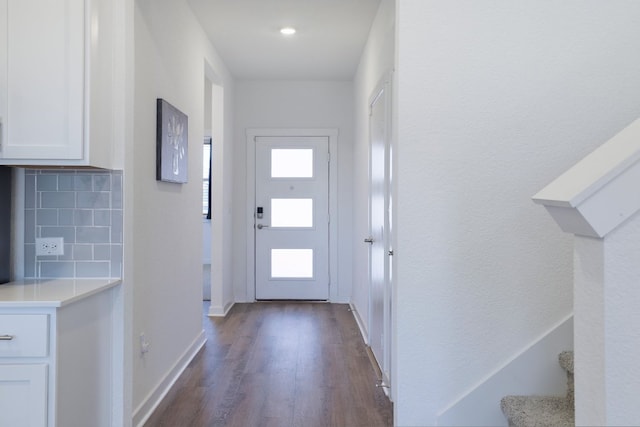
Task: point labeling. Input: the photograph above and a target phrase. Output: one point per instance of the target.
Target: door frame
(385, 365)
(251, 135)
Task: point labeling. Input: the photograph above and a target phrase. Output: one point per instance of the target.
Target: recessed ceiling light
(287, 31)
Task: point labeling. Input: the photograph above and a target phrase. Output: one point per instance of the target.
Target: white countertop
(51, 292)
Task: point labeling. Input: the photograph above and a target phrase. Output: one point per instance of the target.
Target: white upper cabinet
(56, 102)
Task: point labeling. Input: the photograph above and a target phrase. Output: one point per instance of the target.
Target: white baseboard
(533, 371)
(220, 311)
(146, 408)
(361, 325)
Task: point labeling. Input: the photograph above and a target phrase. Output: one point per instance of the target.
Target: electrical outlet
(144, 344)
(49, 246)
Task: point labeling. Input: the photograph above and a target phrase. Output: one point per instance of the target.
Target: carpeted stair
(543, 411)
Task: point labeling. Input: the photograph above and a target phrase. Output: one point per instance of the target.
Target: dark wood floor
(278, 364)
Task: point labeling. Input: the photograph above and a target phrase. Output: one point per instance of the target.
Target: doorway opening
(216, 230)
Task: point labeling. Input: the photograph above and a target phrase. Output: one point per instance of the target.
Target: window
(292, 263)
(292, 212)
(291, 163)
(206, 178)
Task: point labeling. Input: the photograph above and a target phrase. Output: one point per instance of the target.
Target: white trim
(534, 370)
(17, 224)
(382, 88)
(595, 196)
(332, 134)
(363, 330)
(153, 399)
(219, 311)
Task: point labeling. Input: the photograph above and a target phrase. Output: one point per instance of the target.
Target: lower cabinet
(56, 364)
(23, 395)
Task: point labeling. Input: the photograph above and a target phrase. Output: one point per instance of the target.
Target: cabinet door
(23, 395)
(43, 88)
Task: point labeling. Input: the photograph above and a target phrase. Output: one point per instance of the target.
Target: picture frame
(172, 143)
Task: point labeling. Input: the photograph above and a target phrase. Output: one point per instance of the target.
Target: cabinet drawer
(24, 335)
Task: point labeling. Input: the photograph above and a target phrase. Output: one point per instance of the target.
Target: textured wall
(495, 99)
(166, 219)
(85, 208)
(377, 60)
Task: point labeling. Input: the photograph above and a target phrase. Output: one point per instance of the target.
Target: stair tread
(538, 411)
(566, 361)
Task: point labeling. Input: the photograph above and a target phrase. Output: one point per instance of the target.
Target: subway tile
(67, 233)
(102, 182)
(65, 182)
(116, 191)
(116, 253)
(93, 200)
(68, 253)
(30, 226)
(116, 180)
(83, 252)
(102, 217)
(116, 199)
(30, 191)
(60, 199)
(47, 217)
(116, 226)
(102, 252)
(92, 235)
(83, 207)
(116, 269)
(66, 216)
(57, 269)
(83, 217)
(29, 260)
(93, 269)
(82, 183)
(47, 183)
(56, 171)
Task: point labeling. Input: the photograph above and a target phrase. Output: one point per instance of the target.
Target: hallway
(278, 364)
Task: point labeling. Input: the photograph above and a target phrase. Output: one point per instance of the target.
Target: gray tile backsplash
(85, 208)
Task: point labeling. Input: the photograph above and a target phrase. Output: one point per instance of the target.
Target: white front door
(380, 229)
(292, 218)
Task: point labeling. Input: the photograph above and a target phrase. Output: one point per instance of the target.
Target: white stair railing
(598, 200)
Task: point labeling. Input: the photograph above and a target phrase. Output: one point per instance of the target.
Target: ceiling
(327, 46)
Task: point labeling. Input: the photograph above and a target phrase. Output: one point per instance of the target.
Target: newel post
(598, 200)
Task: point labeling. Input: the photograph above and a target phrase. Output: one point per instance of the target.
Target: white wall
(163, 220)
(222, 149)
(295, 104)
(376, 61)
(494, 100)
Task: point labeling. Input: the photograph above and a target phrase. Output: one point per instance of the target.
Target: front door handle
(261, 226)
(369, 240)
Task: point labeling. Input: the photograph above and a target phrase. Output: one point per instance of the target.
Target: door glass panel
(292, 263)
(292, 212)
(291, 163)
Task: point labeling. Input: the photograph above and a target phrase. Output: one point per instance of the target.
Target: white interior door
(379, 230)
(292, 218)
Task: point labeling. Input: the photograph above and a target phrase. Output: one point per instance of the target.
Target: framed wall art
(171, 143)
